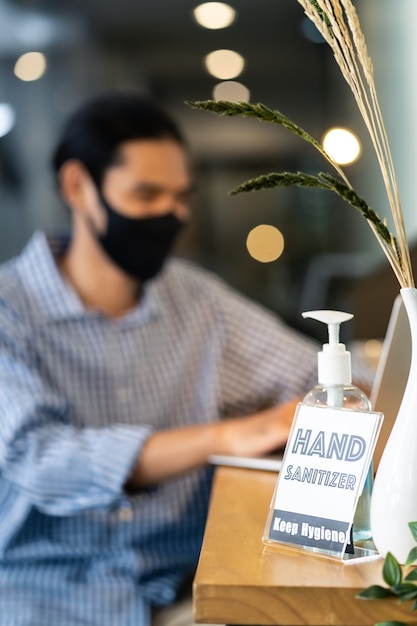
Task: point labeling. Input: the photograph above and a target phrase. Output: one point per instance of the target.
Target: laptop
(268, 462)
(391, 373)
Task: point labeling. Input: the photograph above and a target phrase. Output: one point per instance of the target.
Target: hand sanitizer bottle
(335, 389)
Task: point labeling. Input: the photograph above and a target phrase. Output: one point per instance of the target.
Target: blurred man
(121, 372)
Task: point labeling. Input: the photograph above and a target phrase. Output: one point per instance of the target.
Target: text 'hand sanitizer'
(335, 389)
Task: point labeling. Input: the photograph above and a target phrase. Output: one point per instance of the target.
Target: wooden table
(240, 581)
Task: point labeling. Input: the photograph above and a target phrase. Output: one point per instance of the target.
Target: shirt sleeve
(59, 468)
(265, 361)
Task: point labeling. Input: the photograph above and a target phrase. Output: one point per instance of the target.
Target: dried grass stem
(338, 22)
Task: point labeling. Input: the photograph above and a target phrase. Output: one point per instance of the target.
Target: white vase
(394, 496)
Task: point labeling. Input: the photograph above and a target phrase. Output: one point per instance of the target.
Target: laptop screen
(391, 373)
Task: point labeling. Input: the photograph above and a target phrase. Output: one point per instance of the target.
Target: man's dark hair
(93, 134)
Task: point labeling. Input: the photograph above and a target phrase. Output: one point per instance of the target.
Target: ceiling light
(342, 145)
(224, 64)
(30, 66)
(232, 91)
(214, 15)
(7, 118)
(265, 243)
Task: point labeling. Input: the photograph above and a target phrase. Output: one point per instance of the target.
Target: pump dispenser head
(334, 366)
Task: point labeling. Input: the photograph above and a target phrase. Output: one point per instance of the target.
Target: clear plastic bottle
(335, 389)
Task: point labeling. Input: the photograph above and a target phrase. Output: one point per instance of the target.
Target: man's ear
(75, 185)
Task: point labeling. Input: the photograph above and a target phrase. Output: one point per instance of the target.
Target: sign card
(323, 473)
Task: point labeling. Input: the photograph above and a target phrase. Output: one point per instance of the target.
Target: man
(120, 374)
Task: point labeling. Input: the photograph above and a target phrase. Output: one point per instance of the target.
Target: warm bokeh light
(214, 15)
(7, 118)
(232, 91)
(224, 64)
(265, 243)
(342, 145)
(373, 348)
(30, 66)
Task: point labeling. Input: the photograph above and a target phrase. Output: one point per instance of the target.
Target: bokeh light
(342, 145)
(265, 243)
(7, 118)
(231, 90)
(214, 15)
(30, 66)
(224, 64)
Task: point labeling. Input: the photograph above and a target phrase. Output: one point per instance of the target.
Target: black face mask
(139, 246)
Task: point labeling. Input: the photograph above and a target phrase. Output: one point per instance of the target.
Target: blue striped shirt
(79, 395)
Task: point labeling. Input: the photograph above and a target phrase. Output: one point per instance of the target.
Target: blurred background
(55, 54)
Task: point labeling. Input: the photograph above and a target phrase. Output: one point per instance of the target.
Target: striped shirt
(79, 395)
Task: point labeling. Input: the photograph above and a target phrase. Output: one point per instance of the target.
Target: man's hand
(256, 434)
(168, 453)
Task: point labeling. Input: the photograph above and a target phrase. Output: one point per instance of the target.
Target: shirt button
(125, 514)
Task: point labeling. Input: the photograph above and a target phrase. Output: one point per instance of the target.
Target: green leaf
(259, 111)
(412, 556)
(393, 623)
(374, 592)
(411, 575)
(413, 527)
(264, 114)
(405, 591)
(322, 181)
(391, 571)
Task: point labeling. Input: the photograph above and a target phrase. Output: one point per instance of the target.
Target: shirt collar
(41, 278)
